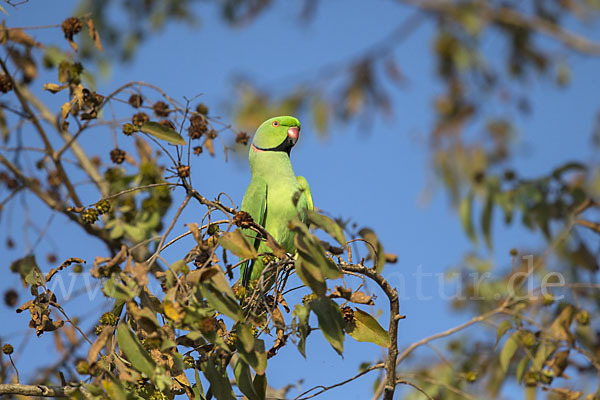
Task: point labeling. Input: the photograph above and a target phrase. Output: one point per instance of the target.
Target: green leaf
(328, 225)
(114, 388)
(521, 367)
(365, 328)
(237, 243)
(219, 295)
(530, 392)
(375, 248)
(94, 390)
(260, 385)
(136, 233)
(570, 166)
(504, 326)
(465, 211)
(117, 290)
(546, 348)
(301, 312)
(117, 231)
(135, 352)
(219, 382)
(251, 349)
(560, 327)
(312, 252)
(559, 330)
(320, 115)
(197, 386)
(28, 268)
(510, 347)
(311, 276)
(486, 219)
(162, 132)
(330, 321)
(244, 380)
(167, 344)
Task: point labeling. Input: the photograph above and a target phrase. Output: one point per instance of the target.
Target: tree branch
(595, 226)
(39, 390)
(392, 294)
(49, 151)
(55, 205)
(507, 16)
(82, 158)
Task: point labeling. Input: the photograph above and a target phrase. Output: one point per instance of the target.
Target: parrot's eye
(275, 123)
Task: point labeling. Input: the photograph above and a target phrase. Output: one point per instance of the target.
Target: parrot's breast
(281, 209)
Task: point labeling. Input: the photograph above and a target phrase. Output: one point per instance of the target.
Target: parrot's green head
(276, 134)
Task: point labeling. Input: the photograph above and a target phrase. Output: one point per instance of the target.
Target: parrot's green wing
(255, 204)
(304, 186)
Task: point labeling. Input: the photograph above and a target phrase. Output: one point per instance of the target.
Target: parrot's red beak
(293, 133)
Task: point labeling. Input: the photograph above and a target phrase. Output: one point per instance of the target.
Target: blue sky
(375, 177)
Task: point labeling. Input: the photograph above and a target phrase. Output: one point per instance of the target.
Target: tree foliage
(198, 326)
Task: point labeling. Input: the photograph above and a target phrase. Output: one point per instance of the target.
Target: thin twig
(326, 388)
(30, 184)
(15, 367)
(59, 308)
(404, 382)
(164, 236)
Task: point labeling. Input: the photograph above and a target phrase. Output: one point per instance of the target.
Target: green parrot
(268, 198)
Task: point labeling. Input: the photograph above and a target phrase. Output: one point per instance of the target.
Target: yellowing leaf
(53, 87)
(65, 109)
(509, 349)
(173, 310)
(365, 328)
(237, 243)
(162, 132)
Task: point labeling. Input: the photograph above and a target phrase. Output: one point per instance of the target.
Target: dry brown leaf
(62, 266)
(278, 319)
(94, 34)
(58, 343)
(17, 35)
(193, 227)
(209, 146)
(361, 298)
(107, 331)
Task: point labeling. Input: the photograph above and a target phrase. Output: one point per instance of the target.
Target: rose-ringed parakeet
(268, 198)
